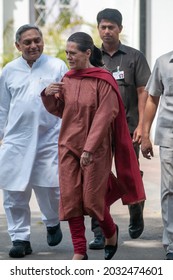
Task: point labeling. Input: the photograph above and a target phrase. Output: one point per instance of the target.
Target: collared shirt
(161, 84)
(29, 134)
(133, 64)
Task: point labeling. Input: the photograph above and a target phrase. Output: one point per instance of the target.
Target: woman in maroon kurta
(88, 105)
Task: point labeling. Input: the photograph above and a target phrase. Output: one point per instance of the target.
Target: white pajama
(17, 209)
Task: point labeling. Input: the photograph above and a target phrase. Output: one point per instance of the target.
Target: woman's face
(77, 59)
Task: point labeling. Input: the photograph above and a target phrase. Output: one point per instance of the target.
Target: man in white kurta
(29, 136)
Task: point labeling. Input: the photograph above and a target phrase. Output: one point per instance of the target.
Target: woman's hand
(54, 89)
(86, 159)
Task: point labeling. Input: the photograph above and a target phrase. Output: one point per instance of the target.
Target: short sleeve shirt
(161, 84)
(134, 67)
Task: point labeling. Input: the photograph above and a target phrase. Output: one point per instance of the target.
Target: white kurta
(29, 134)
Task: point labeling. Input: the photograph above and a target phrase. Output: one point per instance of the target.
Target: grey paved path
(147, 247)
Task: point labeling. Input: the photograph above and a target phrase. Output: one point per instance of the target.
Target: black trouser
(95, 227)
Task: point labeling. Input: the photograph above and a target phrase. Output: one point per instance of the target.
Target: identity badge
(118, 75)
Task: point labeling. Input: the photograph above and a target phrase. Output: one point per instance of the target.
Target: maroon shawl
(128, 185)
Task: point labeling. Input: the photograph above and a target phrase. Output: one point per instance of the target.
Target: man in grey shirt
(160, 89)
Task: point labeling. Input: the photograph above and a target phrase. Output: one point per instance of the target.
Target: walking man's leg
(48, 200)
(99, 240)
(16, 205)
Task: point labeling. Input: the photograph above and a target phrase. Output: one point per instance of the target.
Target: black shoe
(98, 242)
(85, 257)
(54, 235)
(110, 250)
(20, 249)
(136, 225)
(169, 256)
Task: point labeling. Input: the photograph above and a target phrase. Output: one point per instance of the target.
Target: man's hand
(137, 135)
(146, 148)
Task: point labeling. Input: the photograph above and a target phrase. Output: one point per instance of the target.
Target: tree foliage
(56, 34)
